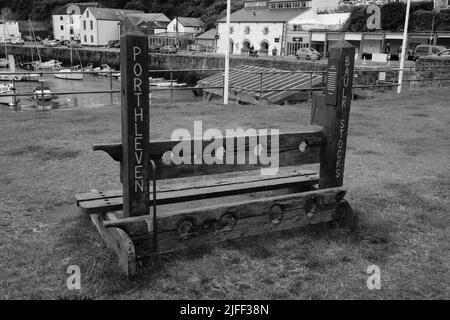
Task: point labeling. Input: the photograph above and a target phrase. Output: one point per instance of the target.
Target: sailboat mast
(4, 38)
(71, 56)
(35, 42)
(31, 35)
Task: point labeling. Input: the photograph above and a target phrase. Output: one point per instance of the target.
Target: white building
(186, 25)
(9, 30)
(100, 25)
(66, 20)
(278, 24)
(441, 4)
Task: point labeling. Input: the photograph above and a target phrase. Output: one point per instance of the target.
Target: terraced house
(100, 25)
(66, 20)
(283, 25)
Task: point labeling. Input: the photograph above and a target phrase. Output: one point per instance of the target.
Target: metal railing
(259, 91)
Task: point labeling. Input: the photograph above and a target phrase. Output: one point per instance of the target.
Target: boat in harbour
(42, 93)
(104, 70)
(4, 63)
(9, 74)
(70, 74)
(31, 77)
(6, 90)
(47, 65)
(162, 83)
(43, 96)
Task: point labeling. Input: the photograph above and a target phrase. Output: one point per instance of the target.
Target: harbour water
(89, 83)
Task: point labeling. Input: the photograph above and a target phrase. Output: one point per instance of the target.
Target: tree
(7, 14)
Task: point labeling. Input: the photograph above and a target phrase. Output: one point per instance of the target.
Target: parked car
(154, 48)
(64, 42)
(426, 50)
(50, 43)
(28, 38)
(169, 49)
(308, 54)
(445, 52)
(196, 47)
(113, 44)
(18, 41)
(74, 44)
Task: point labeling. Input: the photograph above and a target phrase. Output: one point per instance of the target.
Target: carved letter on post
(332, 111)
(135, 124)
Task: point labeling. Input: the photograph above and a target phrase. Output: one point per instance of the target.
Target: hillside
(208, 10)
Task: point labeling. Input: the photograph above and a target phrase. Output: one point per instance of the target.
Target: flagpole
(226, 82)
(405, 40)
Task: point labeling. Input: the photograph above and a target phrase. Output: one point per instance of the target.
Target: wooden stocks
(332, 111)
(135, 170)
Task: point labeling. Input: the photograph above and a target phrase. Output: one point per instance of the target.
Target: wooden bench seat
(109, 201)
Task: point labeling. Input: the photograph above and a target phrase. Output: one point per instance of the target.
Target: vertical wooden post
(332, 112)
(135, 168)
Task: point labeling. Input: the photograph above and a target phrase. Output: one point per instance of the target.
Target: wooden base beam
(118, 241)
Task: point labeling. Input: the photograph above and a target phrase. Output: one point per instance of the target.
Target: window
(62, 27)
(84, 24)
(61, 18)
(87, 14)
(256, 4)
(71, 30)
(422, 50)
(290, 4)
(92, 38)
(92, 25)
(231, 30)
(265, 31)
(85, 38)
(297, 27)
(247, 30)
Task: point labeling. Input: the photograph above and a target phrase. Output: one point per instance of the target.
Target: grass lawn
(397, 173)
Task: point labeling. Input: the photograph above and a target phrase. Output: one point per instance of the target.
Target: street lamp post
(405, 40)
(226, 82)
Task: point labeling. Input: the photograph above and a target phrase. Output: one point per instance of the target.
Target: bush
(443, 22)
(393, 16)
(357, 21)
(422, 21)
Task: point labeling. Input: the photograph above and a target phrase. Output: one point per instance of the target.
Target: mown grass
(397, 174)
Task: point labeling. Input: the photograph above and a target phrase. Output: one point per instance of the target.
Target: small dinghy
(6, 90)
(43, 97)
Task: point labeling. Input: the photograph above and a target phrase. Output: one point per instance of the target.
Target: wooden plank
(332, 111)
(204, 183)
(135, 166)
(118, 241)
(240, 210)
(254, 226)
(289, 153)
(113, 201)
